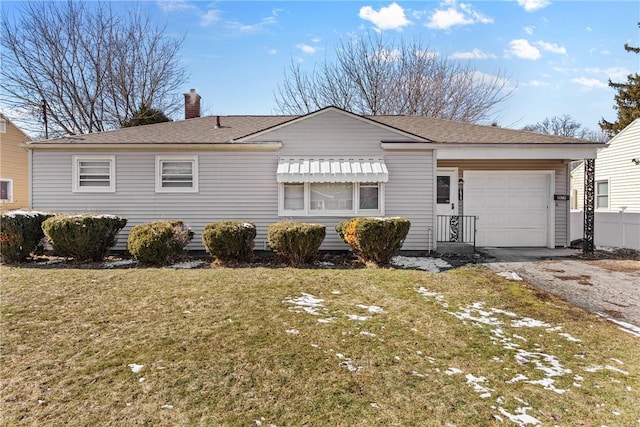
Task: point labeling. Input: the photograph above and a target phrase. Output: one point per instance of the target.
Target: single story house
(320, 167)
(14, 167)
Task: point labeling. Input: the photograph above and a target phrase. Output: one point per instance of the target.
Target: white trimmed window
(6, 190)
(177, 174)
(331, 199)
(602, 194)
(94, 174)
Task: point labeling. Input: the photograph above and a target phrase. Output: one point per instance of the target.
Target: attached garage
(514, 208)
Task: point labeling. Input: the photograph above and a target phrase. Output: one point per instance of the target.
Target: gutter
(226, 146)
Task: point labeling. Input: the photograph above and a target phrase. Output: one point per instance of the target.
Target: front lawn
(317, 347)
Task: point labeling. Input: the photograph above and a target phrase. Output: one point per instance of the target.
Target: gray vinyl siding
(240, 184)
(558, 166)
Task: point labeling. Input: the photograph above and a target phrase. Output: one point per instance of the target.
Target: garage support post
(589, 205)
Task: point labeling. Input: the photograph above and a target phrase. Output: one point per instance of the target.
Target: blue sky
(557, 55)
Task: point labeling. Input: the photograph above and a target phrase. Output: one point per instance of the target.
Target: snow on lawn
(119, 263)
(434, 265)
(188, 264)
(542, 368)
(306, 303)
(623, 326)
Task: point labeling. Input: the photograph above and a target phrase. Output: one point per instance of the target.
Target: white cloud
(210, 17)
(522, 49)
(168, 6)
(613, 73)
(529, 30)
(533, 5)
(391, 17)
(253, 28)
(552, 47)
(537, 83)
(474, 54)
(305, 48)
(451, 14)
(587, 83)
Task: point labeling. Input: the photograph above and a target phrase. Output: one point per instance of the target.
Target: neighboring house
(14, 166)
(321, 167)
(617, 174)
(617, 192)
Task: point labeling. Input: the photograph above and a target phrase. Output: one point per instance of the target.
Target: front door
(447, 191)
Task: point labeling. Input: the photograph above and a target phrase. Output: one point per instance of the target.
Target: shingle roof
(203, 130)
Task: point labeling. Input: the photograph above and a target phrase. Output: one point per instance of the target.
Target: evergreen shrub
(296, 242)
(374, 240)
(159, 242)
(229, 240)
(21, 234)
(85, 237)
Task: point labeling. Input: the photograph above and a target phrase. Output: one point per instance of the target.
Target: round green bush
(86, 237)
(296, 242)
(229, 240)
(158, 243)
(21, 234)
(374, 240)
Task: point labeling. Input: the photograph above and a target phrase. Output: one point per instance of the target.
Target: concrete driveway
(587, 284)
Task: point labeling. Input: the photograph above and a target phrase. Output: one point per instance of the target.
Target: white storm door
(447, 191)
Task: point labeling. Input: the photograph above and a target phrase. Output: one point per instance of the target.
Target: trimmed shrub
(229, 240)
(86, 237)
(21, 234)
(374, 240)
(159, 242)
(296, 242)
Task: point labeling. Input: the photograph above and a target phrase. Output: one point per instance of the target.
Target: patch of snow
(327, 320)
(510, 275)
(166, 406)
(371, 308)
(453, 371)
(325, 264)
(434, 265)
(49, 262)
(292, 331)
(347, 363)
(527, 322)
(120, 263)
(476, 382)
(624, 326)
(428, 294)
(141, 379)
(24, 212)
(607, 367)
(417, 374)
(357, 317)
(569, 337)
(336, 292)
(367, 334)
(520, 417)
(374, 405)
(307, 303)
(135, 368)
(187, 264)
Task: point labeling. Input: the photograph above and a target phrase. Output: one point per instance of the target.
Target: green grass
(222, 347)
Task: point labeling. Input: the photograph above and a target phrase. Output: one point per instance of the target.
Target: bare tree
(373, 76)
(88, 67)
(565, 125)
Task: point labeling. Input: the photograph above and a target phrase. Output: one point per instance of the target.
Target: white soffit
(332, 170)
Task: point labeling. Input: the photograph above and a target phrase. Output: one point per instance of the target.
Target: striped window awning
(332, 170)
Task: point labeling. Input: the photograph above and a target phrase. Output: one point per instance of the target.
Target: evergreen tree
(145, 116)
(627, 100)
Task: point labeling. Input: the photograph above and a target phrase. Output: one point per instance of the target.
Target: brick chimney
(191, 104)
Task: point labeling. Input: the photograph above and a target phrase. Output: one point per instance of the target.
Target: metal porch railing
(456, 229)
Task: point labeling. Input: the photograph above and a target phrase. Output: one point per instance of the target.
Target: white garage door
(512, 207)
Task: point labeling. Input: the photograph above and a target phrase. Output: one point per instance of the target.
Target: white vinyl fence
(612, 229)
